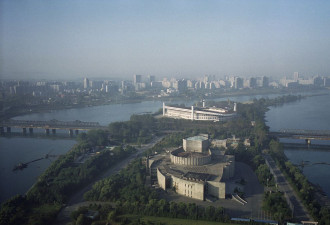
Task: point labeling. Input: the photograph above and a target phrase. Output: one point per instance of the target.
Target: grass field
(171, 221)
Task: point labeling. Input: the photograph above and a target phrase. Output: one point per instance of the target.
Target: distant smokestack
(203, 103)
(235, 107)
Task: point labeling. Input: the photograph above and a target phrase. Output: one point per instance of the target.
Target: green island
(125, 197)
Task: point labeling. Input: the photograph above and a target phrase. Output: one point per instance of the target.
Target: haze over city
(75, 39)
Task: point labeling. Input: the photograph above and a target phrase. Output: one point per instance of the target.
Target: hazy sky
(77, 38)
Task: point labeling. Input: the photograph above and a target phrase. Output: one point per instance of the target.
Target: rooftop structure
(196, 144)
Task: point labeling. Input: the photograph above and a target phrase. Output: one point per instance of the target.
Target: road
(77, 199)
(299, 210)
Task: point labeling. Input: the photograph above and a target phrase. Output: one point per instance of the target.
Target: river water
(312, 114)
(13, 150)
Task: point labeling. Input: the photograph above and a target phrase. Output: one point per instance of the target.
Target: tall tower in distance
(86, 83)
(295, 76)
(137, 78)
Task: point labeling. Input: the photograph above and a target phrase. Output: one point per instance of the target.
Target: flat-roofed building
(210, 113)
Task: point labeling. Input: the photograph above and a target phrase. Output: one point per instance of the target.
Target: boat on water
(20, 166)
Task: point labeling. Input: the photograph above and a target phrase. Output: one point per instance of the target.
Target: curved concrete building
(193, 172)
(180, 157)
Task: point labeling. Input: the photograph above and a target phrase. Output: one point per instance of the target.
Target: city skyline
(74, 39)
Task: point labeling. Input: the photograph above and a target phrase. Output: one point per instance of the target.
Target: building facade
(207, 114)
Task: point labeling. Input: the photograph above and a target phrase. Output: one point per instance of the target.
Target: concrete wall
(161, 179)
(188, 188)
(176, 112)
(217, 189)
(219, 143)
(195, 145)
(190, 161)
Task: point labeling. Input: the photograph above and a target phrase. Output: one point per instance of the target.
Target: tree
(112, 215)
(264, 174)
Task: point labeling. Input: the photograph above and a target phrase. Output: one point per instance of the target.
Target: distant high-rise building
(238, 83)
(212, 85)
(190, 84)
(318, 81)
(252, 82)
(201, 85)
(86, 83)
(295, 76)
(151, 78)
(156, 84)
(180, 85)
(95, 84)
(208, 78)
(166, 83)
(326, 82)
(265, 81)
(137, 78)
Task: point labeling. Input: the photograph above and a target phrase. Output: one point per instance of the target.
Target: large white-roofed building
(195, 113)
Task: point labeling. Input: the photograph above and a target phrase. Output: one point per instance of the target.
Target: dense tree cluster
(275, 202)
(138, 129)
(180, 210)
(128, 185)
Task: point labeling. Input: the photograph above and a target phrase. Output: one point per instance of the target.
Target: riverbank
(49, 109)
(321, 196)
(313, 164)
(204, 95)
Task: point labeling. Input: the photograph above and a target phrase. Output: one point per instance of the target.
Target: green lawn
(172, 221)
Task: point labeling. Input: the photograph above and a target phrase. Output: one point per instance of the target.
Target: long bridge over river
(307, 135)
(49, 126)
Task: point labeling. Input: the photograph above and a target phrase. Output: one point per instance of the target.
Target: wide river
(310, 113)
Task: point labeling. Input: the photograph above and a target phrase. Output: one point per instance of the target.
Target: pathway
(299, 210)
